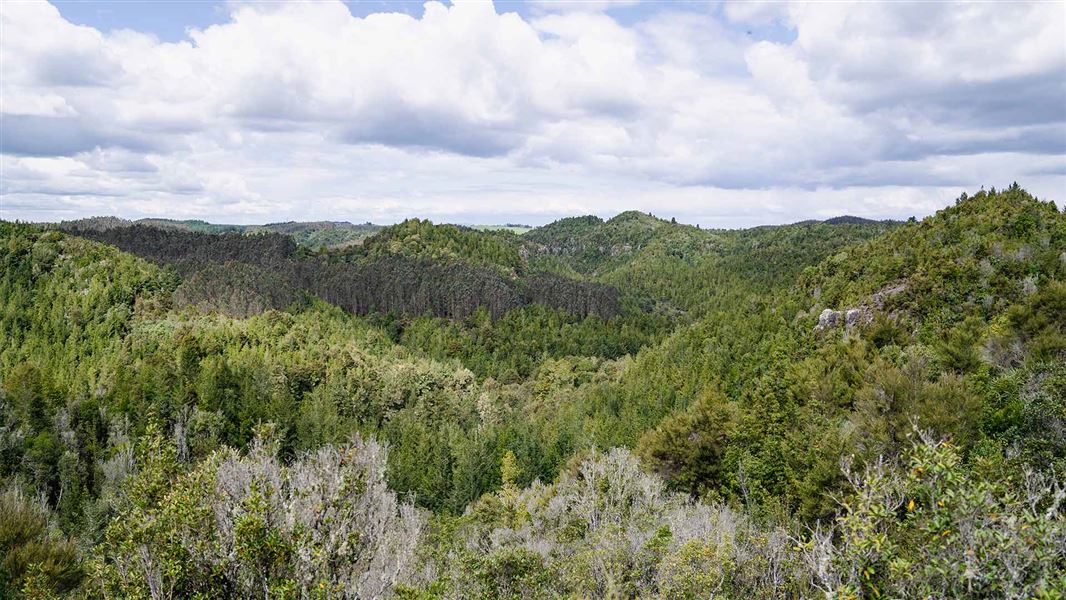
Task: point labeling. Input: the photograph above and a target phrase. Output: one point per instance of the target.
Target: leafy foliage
(933, 303)
(937, 527)
(325, 526)
(32, 555)
(928, 526)
(205, 425)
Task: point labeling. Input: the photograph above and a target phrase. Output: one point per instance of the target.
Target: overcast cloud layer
(469, 113)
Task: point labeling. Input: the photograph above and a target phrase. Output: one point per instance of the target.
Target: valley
(629, 407)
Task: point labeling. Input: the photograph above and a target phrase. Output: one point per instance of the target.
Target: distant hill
(512, 227)
(192, 225)
(589, 244)
(315, 235)
(417, 238)
(409, 269)
(804, 389)
(848, 219)
(321, 234)
(657, 262)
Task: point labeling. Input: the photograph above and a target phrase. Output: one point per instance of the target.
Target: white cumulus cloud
(470, 112)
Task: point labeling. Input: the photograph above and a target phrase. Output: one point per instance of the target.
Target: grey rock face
(887, 292)
(861, 314)
(829, 318)
(852, 317)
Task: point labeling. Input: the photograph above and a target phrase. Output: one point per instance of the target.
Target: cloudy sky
(719, 114)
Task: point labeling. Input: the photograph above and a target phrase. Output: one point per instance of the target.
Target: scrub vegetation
(629, 408)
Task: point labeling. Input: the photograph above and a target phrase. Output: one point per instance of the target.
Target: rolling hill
(627, 407)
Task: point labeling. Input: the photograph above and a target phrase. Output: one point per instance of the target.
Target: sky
(722, 114)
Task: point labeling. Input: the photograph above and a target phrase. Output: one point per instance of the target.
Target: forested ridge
(628, 408)
(315, 235)
(414, 276)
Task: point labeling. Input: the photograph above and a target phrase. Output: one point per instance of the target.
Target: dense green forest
(315, 235)
(629, 408)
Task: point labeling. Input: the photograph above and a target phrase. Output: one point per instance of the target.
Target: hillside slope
(954, 322)
(402, 276)
(94, 354)
(860, 409)
(316, 235)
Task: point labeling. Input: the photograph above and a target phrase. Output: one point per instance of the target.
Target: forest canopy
(629, 408)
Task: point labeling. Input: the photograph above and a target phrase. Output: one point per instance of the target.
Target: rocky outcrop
(828, 319)
(861, 314)
(878, 298)
(853, 316)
